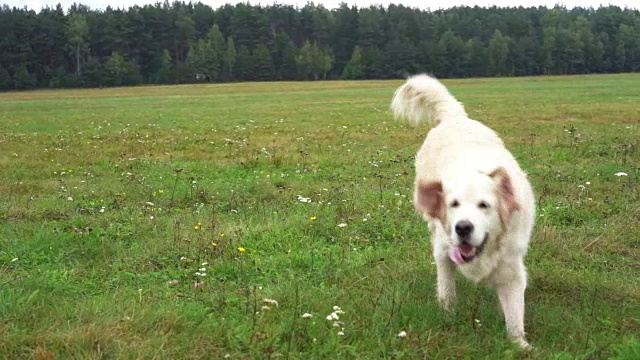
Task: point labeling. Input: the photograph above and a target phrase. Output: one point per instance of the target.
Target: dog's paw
(523, 344)
(447, 303)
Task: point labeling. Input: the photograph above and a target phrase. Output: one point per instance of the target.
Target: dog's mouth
(465, 253)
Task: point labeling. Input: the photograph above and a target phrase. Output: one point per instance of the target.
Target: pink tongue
(466, 249)
(455, 255)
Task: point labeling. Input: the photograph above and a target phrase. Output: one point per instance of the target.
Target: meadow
(219, 221)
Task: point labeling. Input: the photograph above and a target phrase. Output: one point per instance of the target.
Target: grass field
(112, 200)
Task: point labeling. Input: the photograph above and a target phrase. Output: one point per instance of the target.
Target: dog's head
(473, 208)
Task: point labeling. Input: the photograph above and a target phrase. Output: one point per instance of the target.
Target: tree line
(181, 42)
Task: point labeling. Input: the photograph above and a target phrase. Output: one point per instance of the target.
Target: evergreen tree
(525, 55)
(94, 73)
(355, 68)
(475, 58)
(58, 78)
(171, 42)
(453, 55)
(243, 64)
(6, 83)
(548, 48)
(288, 66)
(262, 63)
(606, 62)
(498, 51)
(166, 73)
(22, 79)
(186, 34)
(119, 71)
(400, 58)
(285, 57)
(230, 58)
(374, 61)
(344, 34)
(592, 48)
(115, 68)
(628, 47)
(217, 51)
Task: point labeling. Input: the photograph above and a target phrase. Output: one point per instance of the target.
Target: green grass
(109, 195)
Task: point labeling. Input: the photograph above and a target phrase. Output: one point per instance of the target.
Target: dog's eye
(483, 205)
(455, 203)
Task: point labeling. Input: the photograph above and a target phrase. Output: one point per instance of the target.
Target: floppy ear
(430, 199)
(506, 193)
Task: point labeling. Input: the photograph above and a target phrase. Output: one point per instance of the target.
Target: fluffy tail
(424, 98)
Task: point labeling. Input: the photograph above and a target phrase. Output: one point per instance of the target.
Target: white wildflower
(341, 225)
(402, 334)
(270, 301)
(70, 198)
(307, 316)
(621, 174)
(332, 316)
(340, 333)
(303, 199)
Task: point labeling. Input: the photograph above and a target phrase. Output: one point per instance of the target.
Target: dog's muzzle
(465, 253)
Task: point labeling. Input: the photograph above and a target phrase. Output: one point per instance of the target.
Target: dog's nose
(464, 228)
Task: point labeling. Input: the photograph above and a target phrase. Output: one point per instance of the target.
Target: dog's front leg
(446, 281)
(511, 297)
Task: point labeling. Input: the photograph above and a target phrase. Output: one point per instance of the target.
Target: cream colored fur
(454, 173)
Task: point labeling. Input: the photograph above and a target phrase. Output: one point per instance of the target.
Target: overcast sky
(424, 4)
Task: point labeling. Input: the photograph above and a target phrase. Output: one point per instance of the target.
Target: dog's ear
(429, 198)
(506, 193)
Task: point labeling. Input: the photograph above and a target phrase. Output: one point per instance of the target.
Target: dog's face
(473, 208)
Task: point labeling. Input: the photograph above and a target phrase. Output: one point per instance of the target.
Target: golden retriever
(478, 203)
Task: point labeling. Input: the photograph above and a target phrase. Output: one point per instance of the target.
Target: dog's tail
(423, 98)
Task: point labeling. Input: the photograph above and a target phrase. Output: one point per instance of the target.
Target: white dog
(478, 202)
